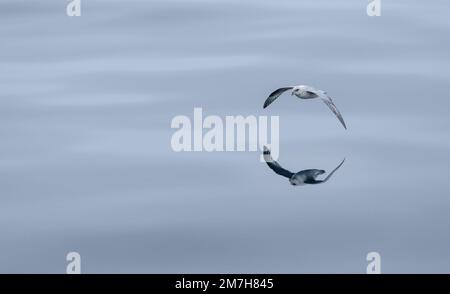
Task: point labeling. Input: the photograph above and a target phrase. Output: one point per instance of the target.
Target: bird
(301, 178)
(306, 92)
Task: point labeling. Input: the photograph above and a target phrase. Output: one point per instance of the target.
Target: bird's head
(294, 181)
(296, 90)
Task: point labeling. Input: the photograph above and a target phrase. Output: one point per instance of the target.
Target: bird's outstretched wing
(329, 102)
(330, 174)
(275, 94)
(275, 166)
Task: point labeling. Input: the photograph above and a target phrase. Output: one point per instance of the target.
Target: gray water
(86, 163)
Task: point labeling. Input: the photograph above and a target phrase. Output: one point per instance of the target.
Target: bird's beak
(292, 93)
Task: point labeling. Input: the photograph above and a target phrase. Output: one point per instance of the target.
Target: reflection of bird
(306, 92)
(307, 176)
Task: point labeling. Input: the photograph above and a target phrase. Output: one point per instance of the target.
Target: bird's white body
(305, 92)
(302, 177)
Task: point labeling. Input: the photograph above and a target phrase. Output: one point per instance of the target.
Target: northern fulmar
(306, 92)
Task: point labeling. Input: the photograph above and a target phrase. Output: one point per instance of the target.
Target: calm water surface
(85, 157)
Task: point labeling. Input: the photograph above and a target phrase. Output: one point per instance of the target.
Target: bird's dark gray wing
(275, 94)
(330, 174)
(329, 102)
(275, 166)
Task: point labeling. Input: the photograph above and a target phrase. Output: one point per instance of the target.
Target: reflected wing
(329, 176)
(329, 102)
(275, 166)
(275, 94)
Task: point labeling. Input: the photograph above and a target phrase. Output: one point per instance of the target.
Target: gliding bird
(306, 92)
